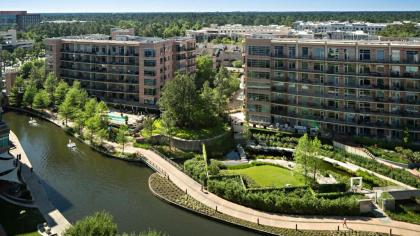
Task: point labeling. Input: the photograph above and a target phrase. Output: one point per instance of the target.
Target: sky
(41, 6)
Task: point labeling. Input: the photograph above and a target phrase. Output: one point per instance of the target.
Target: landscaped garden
(269, 176)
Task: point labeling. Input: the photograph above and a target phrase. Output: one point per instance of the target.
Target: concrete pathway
(53, 217)
(193, 188)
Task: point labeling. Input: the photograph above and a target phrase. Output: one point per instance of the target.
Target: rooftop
(120, 39)
(381, 41)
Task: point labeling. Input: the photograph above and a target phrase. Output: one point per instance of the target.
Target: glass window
(412, 56)
(395, 56)
(149, 52)
(380, 55)
(150, 63)
(305, 52)
(259, 50)
(278, 51)
(292, 52)
(333, 53)
(258, 63)
(319, 53)
(364, 54)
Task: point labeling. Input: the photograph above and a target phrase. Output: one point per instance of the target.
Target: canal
(83, 181)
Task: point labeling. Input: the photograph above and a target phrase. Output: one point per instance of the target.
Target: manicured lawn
(19, 220)
(189, 134)
(271, 176)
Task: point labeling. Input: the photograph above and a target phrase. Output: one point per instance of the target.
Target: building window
(258, 75)
(292, 52)
(305, 52)
(333, 53)
(278, 51)
(380, 55)
(258, 63)
(364, 54)
(319, 53)
(150, 63)
(149, 52)
(412, 57)
(259, 50)
(395, 55)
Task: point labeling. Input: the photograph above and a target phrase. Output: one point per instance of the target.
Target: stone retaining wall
(191, 145)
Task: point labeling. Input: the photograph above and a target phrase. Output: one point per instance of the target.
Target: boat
(33, 122)
(71, 144)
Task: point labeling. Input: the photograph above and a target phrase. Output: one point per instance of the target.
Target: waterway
(82, 181)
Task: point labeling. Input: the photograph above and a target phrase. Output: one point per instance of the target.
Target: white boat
(33, 122)
(71, 144)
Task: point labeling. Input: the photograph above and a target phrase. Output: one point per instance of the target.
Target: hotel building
(129, 71)
(366, 88)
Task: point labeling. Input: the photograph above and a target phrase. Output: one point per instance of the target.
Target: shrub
(328, 188)
(100, 224)
(297, 201)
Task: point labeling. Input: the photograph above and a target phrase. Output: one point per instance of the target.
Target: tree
(301, 154)
(79, 120)
(6, 57)
(122, 136)
(90, 107)
(50, 84)
(60, 92)
(178, 101)
(148, 124)
(93, 124)
(41, 100)
(37, 75)
(315, 147)
(29, 94)
(20, 54)
(16, 93)
(25, 69)
(100, 224)
(204, 71)
(102, 134)
(237, 64)
(406, 137)
(66, 109)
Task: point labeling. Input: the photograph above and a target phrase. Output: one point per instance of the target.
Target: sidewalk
(53, 217)
(193, 188)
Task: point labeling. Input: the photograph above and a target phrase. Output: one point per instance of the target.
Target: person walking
(345, 223)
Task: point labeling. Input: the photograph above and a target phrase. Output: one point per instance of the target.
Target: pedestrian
(345, 223)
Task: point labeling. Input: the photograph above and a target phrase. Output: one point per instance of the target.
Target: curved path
(193, 188)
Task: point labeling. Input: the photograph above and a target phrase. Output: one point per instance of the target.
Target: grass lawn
(15, 223)
(189, 134)
(271, 176)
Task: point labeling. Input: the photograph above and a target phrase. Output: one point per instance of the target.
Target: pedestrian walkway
(193, 188)
(57, 222)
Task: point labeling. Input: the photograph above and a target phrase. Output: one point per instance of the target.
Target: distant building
(115, 32)
(236, 31)
(330, 26)
(10, 41)
(129, 72)
(19, 20)
(222, 55)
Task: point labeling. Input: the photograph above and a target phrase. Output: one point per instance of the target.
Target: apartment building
(18, 19)
(129, 72)
(235, 31)
(366, 88)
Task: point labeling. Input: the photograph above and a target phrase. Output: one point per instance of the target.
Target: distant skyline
(48, 6)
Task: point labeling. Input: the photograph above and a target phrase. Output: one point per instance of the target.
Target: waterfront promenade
(184, 182)
(193, 188)
(53, 216)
